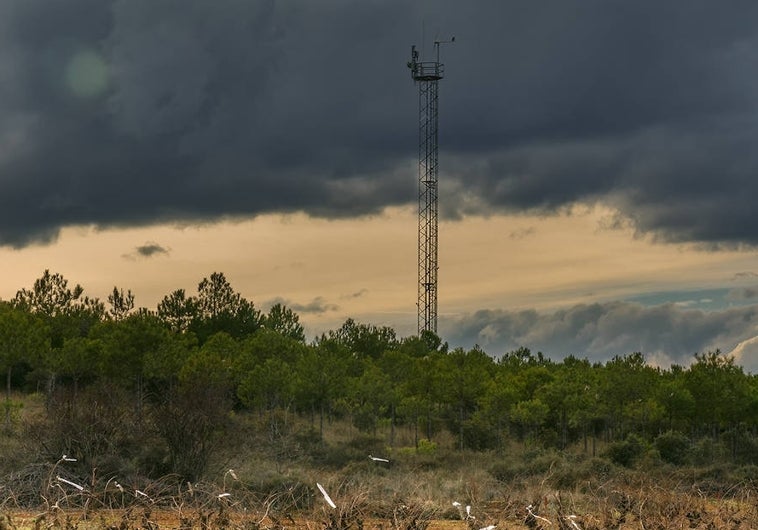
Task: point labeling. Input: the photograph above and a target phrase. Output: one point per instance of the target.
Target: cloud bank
(133, 112)
(667, 333)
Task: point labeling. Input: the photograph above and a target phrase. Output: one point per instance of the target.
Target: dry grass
(628, 507)
(275, 489)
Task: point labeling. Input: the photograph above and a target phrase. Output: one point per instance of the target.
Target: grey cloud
(744, 293)
(316, 306)
(357, 294)
(151, 249)
(522, 233)
(130, 112)
(148, 250)
(746, 275)
(668, 333)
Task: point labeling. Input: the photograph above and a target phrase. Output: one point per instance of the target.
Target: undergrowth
(259, 480)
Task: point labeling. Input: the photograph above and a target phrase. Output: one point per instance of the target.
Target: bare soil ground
(715, 516)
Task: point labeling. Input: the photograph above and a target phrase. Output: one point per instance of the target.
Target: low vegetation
(250, 484)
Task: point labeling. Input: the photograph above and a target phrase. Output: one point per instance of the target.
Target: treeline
(109, 370)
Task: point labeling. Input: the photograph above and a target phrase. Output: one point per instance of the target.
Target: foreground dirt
(717, 516)
(170, 520)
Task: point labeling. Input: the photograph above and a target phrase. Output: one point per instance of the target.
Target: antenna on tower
(427, 75)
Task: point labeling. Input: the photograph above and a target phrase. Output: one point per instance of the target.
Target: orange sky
(366, 268)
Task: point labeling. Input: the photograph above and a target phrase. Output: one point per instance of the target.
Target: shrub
(192, 428)
(291, 491)
(503, 471)
(93, 425)
(673, 447)
(336, 456)
(747, 473)
(626, 452)
(367, 444)
(706, 451)
(745, 447)
(532, 463)
(479, 435)
(568, 475)
(426, 447)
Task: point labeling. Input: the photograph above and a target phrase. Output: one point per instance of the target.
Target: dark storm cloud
(129, 112)
(666, 333)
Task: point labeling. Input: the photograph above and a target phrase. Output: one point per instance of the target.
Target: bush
(426, 447)
(745, 447)
(626, 452)
(747, 473)
(367, 444)
(706, 452)
(93, 425)
(192, 428)
(479, 435)
(530, 464)
(570, 474)
(291, 491)
(336, 456)
(673, 447)
(540, 461)
(506, 471)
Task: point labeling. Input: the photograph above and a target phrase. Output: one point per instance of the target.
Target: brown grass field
(274, 488)
(645, 508)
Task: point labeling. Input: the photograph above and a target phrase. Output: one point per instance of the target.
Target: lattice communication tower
(427, 75)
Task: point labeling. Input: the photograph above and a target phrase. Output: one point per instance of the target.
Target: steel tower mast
(427, 74)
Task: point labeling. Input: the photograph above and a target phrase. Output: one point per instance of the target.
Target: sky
(597, 170)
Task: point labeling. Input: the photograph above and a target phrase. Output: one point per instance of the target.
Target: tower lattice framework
(427, 75)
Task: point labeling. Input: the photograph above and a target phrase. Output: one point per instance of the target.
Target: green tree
(23, 338)
(321, 375)
(397, 365)
(214, 363)
(530, 416)
(572, 397)
(630, 390)
(522, 358)
(127, 344)
(495, 405)
(265, 344)
(284, 321)
(462, 380)
(163, 363)
(78, 359)
(419, 391)
(217, 307)
(370, 397)
(120, 303)
(676, 399)
(177, 311)
(722, 394)
(364, 340)
(268, 385)
(65, 312)
(192, 415)
(221, 308)
(264, 369)
(422, 393)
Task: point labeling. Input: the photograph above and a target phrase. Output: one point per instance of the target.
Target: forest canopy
(177, 373)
